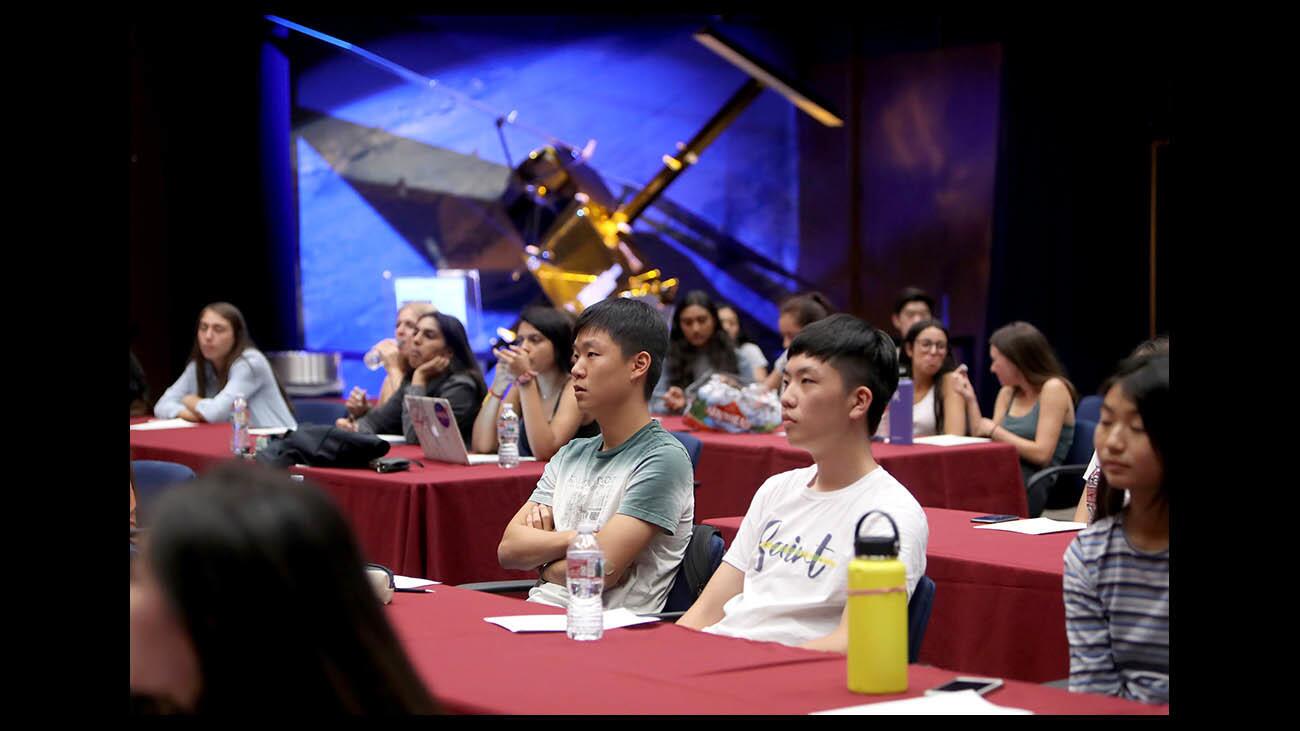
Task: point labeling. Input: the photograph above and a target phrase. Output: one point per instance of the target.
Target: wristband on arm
(541, 570)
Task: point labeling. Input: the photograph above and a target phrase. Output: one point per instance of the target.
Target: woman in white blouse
(937, 405)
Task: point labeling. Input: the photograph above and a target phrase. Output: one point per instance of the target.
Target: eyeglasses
(931, 345)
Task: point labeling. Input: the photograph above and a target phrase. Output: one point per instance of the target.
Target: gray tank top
(1026, 427)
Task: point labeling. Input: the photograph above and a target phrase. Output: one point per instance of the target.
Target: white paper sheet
(410, 582)
(392, 438)
(269, 431)
(163, 424)
(614, 618)
(949, 440)
(1034, 526)
(492, 459)
(960, 703)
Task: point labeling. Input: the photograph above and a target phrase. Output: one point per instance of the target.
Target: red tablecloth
(440, 521)
(984, 477)
(475, 667)
(998, 608)
(444, 521)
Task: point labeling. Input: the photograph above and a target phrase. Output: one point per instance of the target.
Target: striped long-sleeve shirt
(1117, 615)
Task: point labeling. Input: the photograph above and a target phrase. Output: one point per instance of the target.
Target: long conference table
(998, 607)
(472, 666)
(444, 521)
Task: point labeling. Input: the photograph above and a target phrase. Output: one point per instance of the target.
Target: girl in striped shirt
(1117, 570)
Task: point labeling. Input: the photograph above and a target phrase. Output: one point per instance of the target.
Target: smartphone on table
(994, 518)
(982, 686)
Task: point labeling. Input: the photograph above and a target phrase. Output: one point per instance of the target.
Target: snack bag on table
(719, 403)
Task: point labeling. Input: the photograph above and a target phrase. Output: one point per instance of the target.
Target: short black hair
(634, 326)
(913, 294)
(863, 356)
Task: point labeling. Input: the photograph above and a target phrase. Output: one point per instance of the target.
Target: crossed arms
(531, 540)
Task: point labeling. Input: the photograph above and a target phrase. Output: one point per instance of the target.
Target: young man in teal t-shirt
(634, 479)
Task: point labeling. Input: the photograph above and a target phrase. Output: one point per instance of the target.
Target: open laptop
(435, 427)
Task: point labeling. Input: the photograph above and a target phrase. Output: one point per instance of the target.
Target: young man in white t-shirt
(784, 578)
(634, 480)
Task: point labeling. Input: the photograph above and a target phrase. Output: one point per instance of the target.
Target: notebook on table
(435, 427)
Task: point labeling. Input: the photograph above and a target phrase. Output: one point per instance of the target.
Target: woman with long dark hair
(225, 363)
(937, 405)
(251, 595)
(1116, 579)
(532, 375)
(443, 366)
(1034, 411)
(697, 344)
(751, 356)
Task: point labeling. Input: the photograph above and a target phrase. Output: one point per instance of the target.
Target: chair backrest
(315, 411)
(1081, 449)
(703, 556)
(1063, 490)
(693, 446)
(918, 616)
(1089, 408)
(152, 479)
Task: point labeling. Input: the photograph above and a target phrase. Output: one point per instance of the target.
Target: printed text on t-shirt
(792, 552)
(585, 499)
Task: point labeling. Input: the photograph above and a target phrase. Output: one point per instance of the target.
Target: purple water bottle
(900, 413)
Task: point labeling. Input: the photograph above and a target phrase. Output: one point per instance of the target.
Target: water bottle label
(590, 568)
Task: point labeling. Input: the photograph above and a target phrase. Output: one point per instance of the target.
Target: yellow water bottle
(877, 661)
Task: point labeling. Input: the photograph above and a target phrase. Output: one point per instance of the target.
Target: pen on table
(416, 591)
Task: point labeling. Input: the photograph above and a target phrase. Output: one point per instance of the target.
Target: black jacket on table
(462, 390)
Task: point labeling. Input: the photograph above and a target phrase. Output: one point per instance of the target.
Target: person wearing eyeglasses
(937, 404)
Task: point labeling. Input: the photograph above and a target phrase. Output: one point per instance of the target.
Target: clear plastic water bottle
(241, 442)
(585, 619)
(373, 359)
(507, 437)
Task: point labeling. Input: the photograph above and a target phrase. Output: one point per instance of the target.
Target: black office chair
(703, 556)
(1060, 487)
(152, 479)
(315, 411)
(693, 446)
(704, 553)
(1089, 408)
(918, 616)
